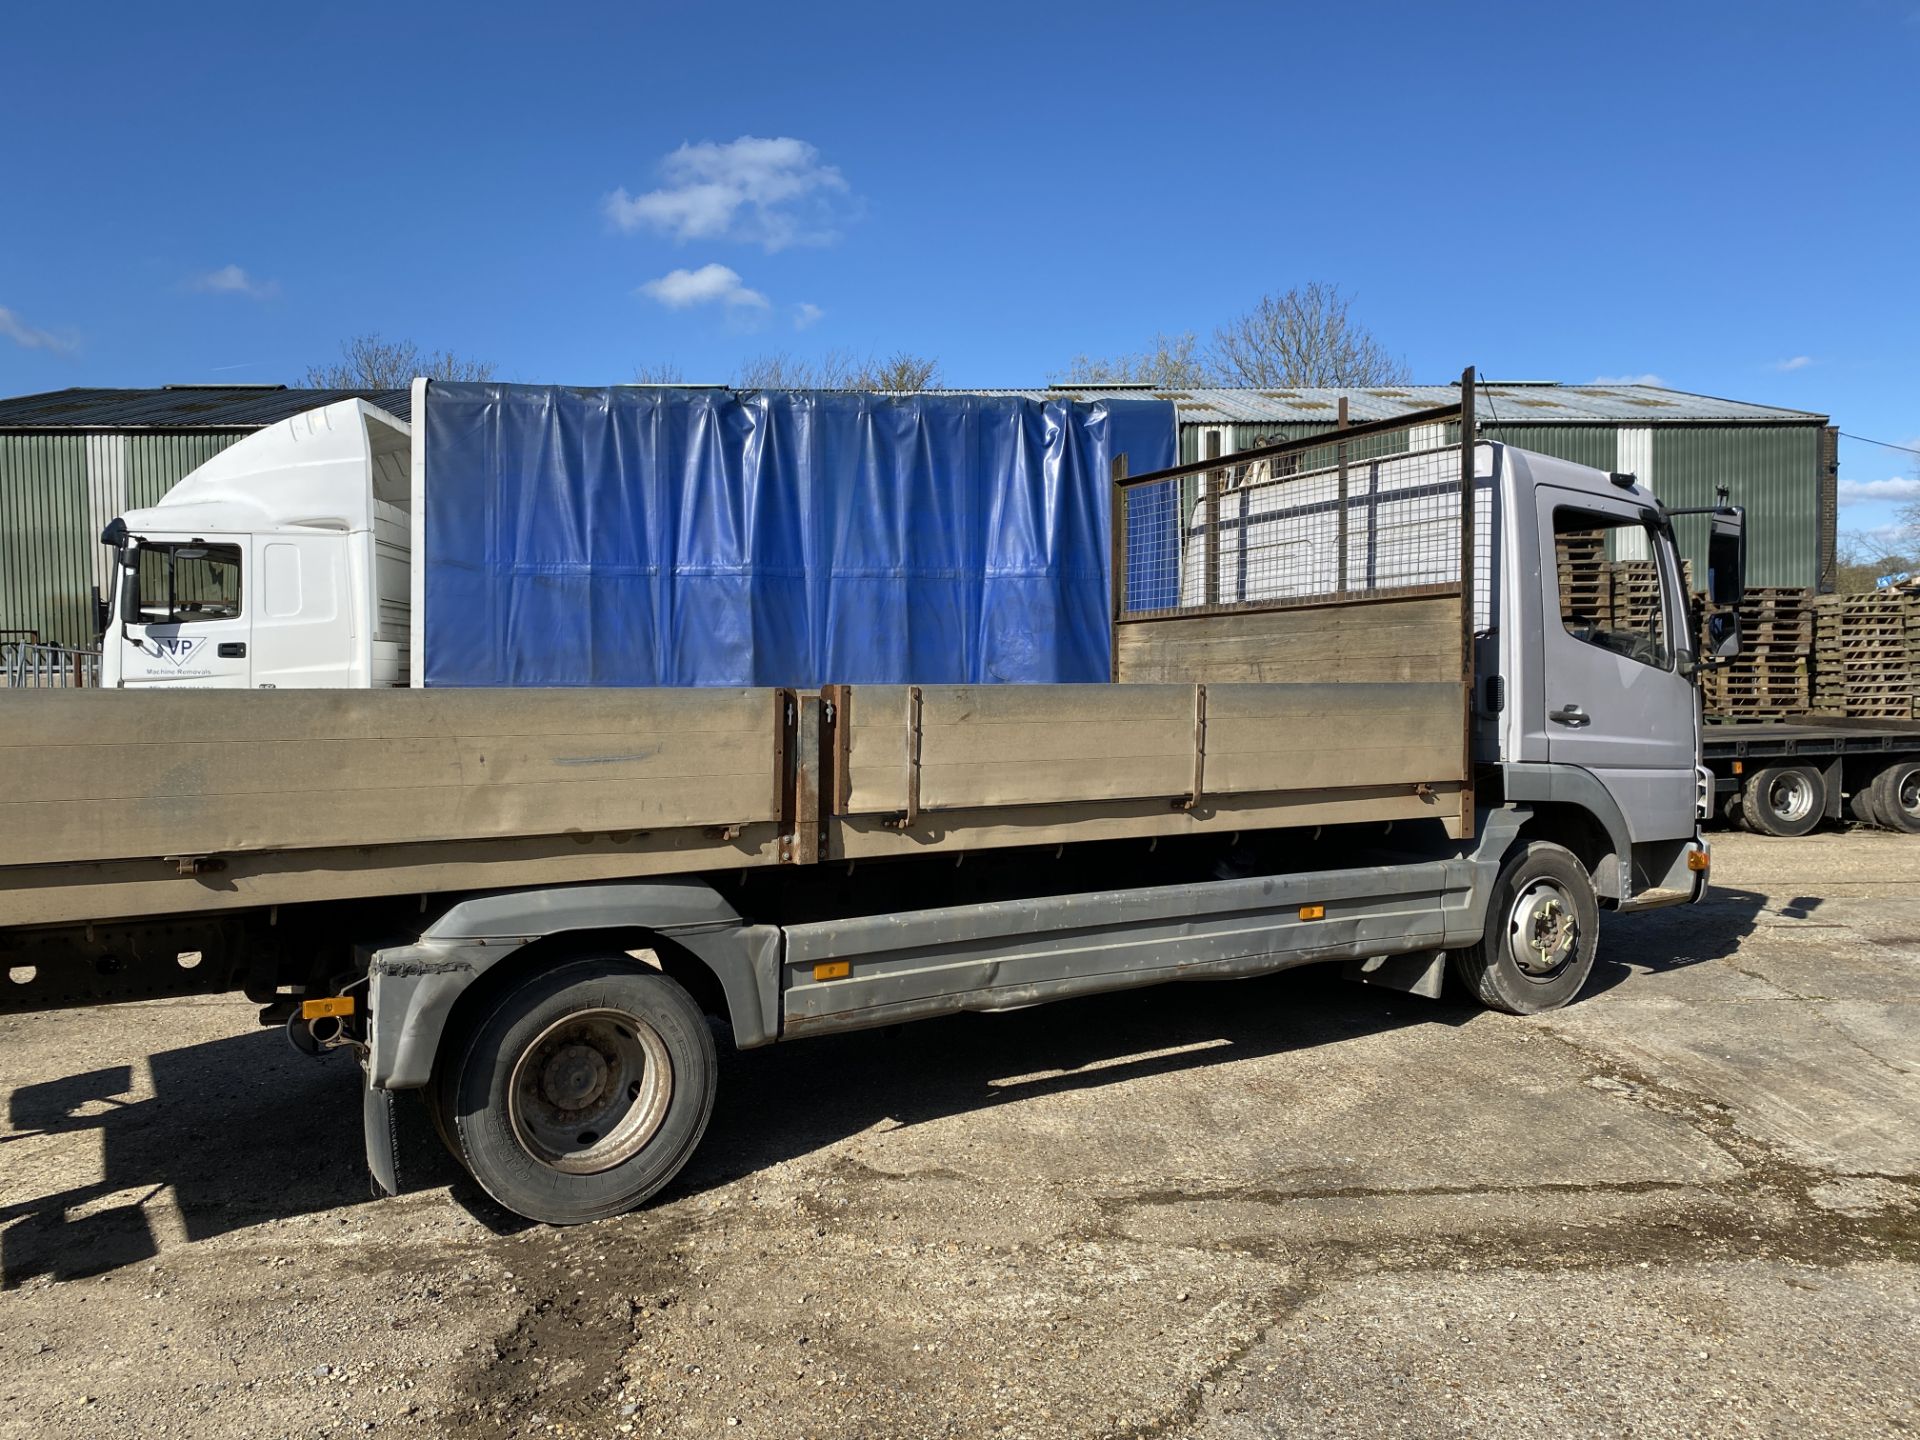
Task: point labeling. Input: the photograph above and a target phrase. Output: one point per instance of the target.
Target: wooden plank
(1412, 639)
(869, 837)
(1270, 737)
(877, 748)
(118, 770)
(155, 714)
(287, 819)
(986, 747)
(72, 893)
(115, 774)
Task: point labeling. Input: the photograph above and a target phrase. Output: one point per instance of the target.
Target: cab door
(192, 626)
(1618, 700)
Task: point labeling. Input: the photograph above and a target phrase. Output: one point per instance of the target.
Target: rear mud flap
(382, 1133)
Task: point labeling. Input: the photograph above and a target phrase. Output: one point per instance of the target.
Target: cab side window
(1610, 606)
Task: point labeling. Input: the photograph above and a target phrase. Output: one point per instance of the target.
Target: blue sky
(1723, 195)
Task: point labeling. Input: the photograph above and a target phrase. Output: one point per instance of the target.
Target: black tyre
(1896, 796)
(438, 1096)
(1784, 800)
(584, 1091)
(1543, 926)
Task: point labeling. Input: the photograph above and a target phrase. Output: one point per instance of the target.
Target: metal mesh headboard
(1359, 513)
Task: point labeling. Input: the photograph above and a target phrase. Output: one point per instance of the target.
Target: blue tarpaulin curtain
(640, 536)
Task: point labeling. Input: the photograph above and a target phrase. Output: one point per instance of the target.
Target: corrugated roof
(181, 407)
(1536, 404)
(240, 407)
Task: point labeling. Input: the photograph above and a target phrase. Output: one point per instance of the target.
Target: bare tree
(1306, 337)
(659, 372)
(368, 362)
(899, 373)
(1171, 360)
(1865, 555)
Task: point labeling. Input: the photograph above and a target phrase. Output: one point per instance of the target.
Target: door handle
(1571, 715)
(233, 650)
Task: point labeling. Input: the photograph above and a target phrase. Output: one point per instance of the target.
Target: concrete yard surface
(1687, 1205)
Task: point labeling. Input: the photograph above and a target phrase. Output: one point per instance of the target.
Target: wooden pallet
(1772, 677)
(1866, 661)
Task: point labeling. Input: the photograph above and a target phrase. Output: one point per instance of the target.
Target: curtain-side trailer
(1353, 717)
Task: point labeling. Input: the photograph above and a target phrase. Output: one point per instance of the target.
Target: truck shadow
(1661, 942)
(242, 1131)
(787, 1101)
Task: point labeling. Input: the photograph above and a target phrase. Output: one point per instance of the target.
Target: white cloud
(21, 333)
(769, 192)
(232, 280)
(805, 314)
(1856, 492)
(1654, 380)
(1792, 363)
(710, 284)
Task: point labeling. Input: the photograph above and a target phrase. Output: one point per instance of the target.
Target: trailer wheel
(1785, 800)
(584, 1091)
(1895, 796)
(1860, 808)
(1543, 926)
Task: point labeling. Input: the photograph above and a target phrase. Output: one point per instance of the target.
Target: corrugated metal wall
(45, 552)
(1773, 471)
(1595, 445)
(56, 491)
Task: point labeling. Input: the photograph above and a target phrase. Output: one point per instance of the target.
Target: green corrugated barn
(73, 459)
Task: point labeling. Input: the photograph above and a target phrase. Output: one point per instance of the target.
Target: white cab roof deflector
(307, 472)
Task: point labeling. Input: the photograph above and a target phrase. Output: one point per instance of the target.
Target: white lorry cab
(281, 563)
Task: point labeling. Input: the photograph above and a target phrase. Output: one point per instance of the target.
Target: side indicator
(328, 1006)
(1698, 860)
(1739, 767)
(1313, 912)
(832, 970)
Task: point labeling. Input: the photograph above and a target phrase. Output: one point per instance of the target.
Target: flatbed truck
(1351, 720)
(1784, 777)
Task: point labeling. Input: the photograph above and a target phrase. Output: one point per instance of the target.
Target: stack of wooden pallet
(1864, 663)
(1633, 593)
(1585, 577)
(1769, 679)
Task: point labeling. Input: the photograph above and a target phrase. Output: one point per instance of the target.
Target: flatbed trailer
(1783, 777)
(1353, 719)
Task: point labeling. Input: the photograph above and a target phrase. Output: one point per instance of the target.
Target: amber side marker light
(832, 970)
(1698, 860)
(330, 1006)
(1313, 912)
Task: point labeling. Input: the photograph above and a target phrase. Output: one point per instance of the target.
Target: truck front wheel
(1896, 796)
(584, 1091)
(1543, 926)
(1786, 800)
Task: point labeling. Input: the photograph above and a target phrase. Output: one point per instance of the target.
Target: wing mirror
(1726, 579)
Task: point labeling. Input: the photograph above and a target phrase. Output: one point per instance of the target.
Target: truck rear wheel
(584, 1091)
(1543, 926)
(1785, 800)
(1896, 796)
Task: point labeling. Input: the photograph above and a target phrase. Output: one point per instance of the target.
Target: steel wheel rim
(1907, 792)
(1790, 797)
(1543, 929)
(590, 1091)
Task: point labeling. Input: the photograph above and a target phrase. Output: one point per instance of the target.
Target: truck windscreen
(180, 583)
